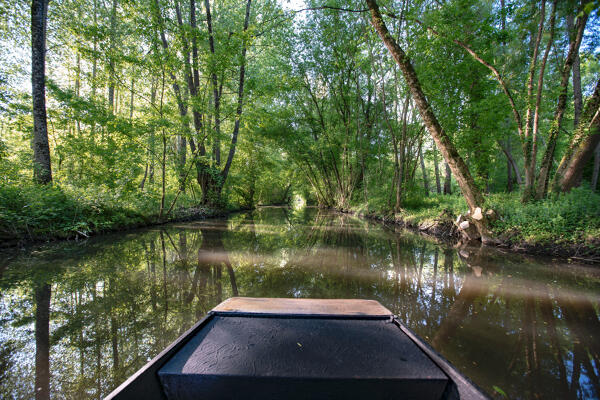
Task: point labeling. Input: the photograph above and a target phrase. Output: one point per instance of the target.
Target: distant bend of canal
(77, 319)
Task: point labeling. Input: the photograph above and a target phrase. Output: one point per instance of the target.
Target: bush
(36, 212)
(570, 217)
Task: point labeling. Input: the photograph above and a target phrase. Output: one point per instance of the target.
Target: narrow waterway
(76, 319)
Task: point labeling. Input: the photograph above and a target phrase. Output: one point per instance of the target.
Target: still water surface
(76, 319)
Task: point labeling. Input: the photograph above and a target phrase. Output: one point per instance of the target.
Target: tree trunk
(152, 139)
(528, 140)
(164, 172)
(42, 341)
(143, 183)
(596, 168)
(436, 167)
(238, 112)
(472, 288)
(111, 61)
(204, 177)
(95, 61)
(448, 180)
(215, 85)
(470, 191)
(544, 173)
(577, 95)
(132, 91)
(182, 107)
(531, 142)
(400, 157)
(182, 155)
(425, 180)
(509, 178)
(581, 156)
(42, 171)
(582, 146)
(511, 160)
(78, 87)
(114, 335)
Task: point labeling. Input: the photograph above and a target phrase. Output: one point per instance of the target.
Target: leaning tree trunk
(582, 146)
(582, 155)
(42, 171)
(461, 172)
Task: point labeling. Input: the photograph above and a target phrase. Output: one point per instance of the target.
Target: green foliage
(570, 218)
(419, 209)
(573, 217)
(326, 112)
(39, 212)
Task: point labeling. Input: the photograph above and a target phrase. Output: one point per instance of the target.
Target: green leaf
(500, 391)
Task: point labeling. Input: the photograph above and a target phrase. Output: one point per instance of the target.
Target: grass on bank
(34, 212)
(570, 218)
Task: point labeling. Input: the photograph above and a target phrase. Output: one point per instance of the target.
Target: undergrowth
(36, 212)
(569, 218)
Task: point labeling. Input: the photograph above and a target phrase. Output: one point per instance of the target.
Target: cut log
(468, 230)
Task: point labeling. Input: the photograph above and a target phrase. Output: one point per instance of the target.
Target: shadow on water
(77, 319)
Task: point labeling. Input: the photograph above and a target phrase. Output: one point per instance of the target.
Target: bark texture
(238, 111)
(544, 172)
(448, 180)
(42, 171)
(528, 140)
(577, 94)
(582, 146)
(461, 172)
(436, 169)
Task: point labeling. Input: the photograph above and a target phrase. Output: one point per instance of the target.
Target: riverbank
(567, 227)
(37, 214)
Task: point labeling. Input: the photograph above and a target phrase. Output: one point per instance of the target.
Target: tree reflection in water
(77, 320)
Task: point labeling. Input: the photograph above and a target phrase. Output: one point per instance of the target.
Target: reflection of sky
(19, 339)
(585, 383)
(292, 4)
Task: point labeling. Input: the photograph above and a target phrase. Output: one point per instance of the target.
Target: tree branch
(489, 66)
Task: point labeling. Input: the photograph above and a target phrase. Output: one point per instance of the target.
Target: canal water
(76, 319)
